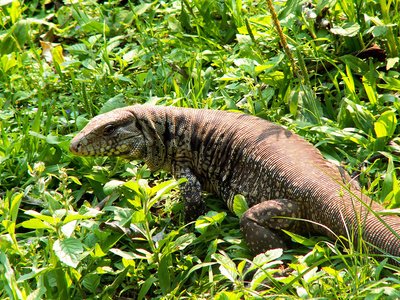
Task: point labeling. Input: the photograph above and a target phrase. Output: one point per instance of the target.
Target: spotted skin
(279, 173)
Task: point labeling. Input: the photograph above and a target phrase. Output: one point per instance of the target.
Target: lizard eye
(109, 129)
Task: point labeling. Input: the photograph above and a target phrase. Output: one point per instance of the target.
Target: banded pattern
(225, 153)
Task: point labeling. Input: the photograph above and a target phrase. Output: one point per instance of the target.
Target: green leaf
(113, 103)
(361, 116)
(163, 189)
(70, 218)
(349, 29)
(138, 217)
(356, 64)
(391, 62)
(5, 242)
(239, 205)
(81, 122)
(391, 83)
(35, 224)
(379, 30)
(57, 54)
(112, 185)
(14, 207)
(247, 65)
(94, 26)
(39, 216)
(8, 278)
(183, 241)
(145, 287)
(268, 256)
(68, 251)
(7, 62)
(369, 90)
(163, 274)
(300, 239)
(390, 187)
(78, 49)
(211, 218)
(227, 266)
(142, 8)
(386, 124)
(91, 282)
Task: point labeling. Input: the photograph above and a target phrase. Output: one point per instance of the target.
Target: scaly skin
(279, 173)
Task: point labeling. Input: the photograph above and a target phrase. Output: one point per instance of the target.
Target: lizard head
(116, 133)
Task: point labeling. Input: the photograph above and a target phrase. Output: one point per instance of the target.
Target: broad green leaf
(145, 287)
(123, 78)
(113, 103)
(391, 62)
(349, 29)
(391, 83)
(35, 224)
(39, 216)
(15, 204)
(390, 187)
(138, 217)
(183, 241)
(111, 186)
(8, 278)
(369, 90)
(163, 274)
(78, 49)
(91, 282)
(124, 254)
(123, 215)
(81, 122)
(68, 228)
(268, 256)
(274, 78)
(7, 62)
(229, 296)
(386, 124)
(68, 251)
(5, 242)
(90, 64)
(98, 252)
(134, 186)
(211, 218)
(35, 273)
(94, 26)
(53, 139)
(163, 189)
(379, 30)
(142, 8)
(246, 64)
(300, 239)
(356, 64)
(57, 54)
(239, 205)
(361, 116)
(227, 266)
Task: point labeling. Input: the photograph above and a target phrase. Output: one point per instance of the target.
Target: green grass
(59, 68)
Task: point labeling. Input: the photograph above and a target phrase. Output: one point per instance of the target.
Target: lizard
(284, 179)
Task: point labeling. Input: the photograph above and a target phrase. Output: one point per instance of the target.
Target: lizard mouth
(123, 147)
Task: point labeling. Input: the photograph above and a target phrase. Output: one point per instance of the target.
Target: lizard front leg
(262, 231)
(191, 192)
